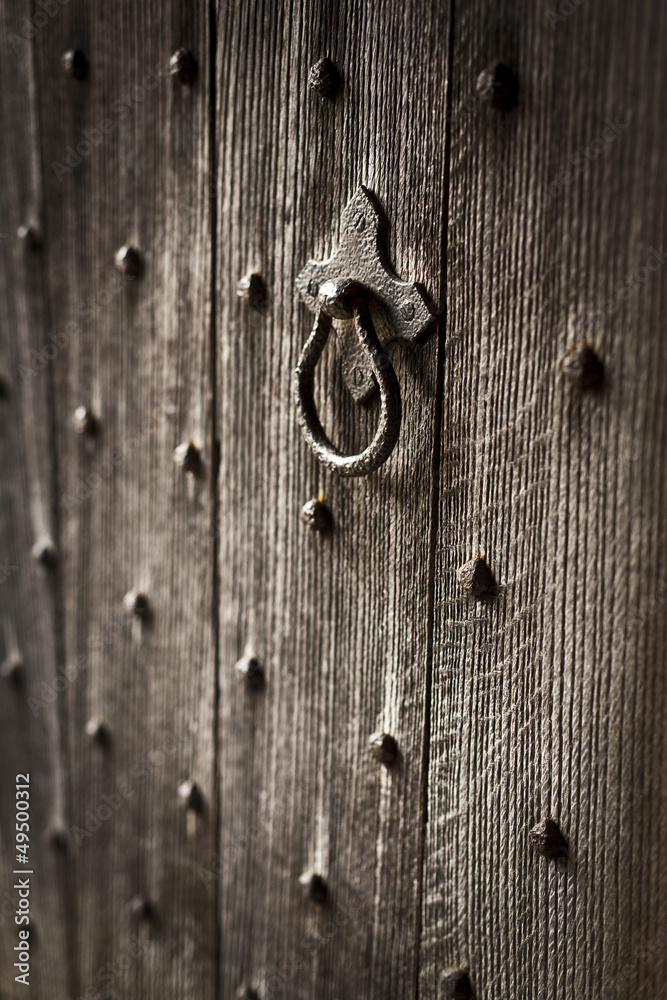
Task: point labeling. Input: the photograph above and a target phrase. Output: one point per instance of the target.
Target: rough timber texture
(535, 230)
(340, 621)
(126, 515)
(550, 699)
(29, 610)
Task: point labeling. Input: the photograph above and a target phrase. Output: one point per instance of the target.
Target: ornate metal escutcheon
(357, 295)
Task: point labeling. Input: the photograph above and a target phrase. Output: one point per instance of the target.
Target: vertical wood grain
(136, 352)
(30, 628)
(549, 700)
(533, 230)
(339, 622)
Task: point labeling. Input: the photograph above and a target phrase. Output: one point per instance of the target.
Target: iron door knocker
(356, 294)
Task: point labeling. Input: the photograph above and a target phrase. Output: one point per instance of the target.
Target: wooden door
(195, 834)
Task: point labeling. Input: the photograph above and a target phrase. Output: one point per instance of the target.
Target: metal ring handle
(347, 300)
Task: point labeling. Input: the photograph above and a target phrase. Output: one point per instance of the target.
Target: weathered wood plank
(339, 622)
(138, 355)
(550, 699)
(30, 741)
(546, 700)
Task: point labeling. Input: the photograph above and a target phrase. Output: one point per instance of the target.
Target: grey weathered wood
(550, 699)
(140, 357)
(339, 622)
(29, 614)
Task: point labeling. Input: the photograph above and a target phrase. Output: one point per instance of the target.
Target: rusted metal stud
(135, 603)
(142, 908)
(455, 985)
(44, 552)
(498, 86)
(84, 421)
(314, 887)
(12, 670)
(31, 237)
(250, 672)
(98, 732)
(75, 64)
(183, 65)
(383, 748)
(583, 368)
(128, 261)
(324, 78)
(191, 795)
(317, 516)
(246, 993)
(188, 457)
(252, 289)
(56, 838)
(475, 577)
(547, 839)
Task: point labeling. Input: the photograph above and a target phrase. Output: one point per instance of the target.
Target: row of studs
(497, 86)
